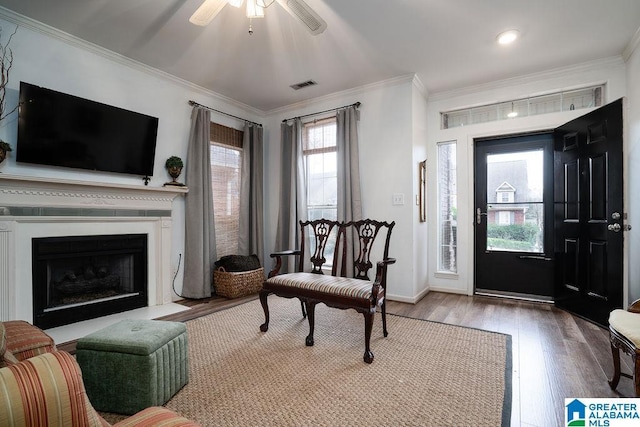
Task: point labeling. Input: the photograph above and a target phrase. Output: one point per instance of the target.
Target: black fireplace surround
(78, 278)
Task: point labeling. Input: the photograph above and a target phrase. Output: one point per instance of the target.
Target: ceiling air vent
(303, 84)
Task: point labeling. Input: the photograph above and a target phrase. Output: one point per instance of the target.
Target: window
(447, 207)
(320, 154)
(506, 196)
(504, 217)
(577, 99)
(226, 163)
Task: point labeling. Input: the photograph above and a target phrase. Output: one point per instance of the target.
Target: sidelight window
(447, 207)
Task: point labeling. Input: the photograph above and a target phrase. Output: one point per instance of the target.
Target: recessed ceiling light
(507, 37)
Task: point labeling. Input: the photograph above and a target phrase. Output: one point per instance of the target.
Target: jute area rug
(424, 373)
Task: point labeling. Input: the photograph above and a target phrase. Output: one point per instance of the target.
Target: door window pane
(515, 214)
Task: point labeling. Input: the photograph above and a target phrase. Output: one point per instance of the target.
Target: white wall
(386, 167)
(632, 125)
(610, 71)
(398, 129)
(54, 60)
(420, 229)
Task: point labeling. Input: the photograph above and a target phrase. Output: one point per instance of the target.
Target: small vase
(174, 173)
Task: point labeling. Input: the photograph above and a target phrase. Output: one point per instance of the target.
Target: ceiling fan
(255, 9)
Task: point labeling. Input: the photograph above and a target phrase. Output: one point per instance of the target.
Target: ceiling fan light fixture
(207, 11)
(253, 10)
(507, 37)
(235, 3)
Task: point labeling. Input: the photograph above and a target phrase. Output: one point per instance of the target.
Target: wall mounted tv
(57, 129)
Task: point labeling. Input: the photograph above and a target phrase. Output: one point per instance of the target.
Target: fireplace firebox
(78, 278)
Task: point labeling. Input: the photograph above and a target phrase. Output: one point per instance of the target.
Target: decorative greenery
(518, 232)
(173, 162)
(5, 146)
(6, 62)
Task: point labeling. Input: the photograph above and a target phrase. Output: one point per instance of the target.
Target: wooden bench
(348, 285)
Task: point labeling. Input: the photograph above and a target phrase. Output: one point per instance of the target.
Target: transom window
(576, 99)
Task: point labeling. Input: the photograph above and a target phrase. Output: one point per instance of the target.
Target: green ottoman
(134, 364)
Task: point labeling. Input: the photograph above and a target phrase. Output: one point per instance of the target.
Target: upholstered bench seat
(348, 286)
(134, 364)
(324, 284)
(627, 324)
(624, 334)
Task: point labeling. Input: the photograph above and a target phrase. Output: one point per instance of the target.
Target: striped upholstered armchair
(47, 390)
(20, 340)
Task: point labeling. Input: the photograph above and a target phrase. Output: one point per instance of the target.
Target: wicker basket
(237, 284)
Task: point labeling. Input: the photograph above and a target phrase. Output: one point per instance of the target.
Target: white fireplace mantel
(44, 207)
(49, 192)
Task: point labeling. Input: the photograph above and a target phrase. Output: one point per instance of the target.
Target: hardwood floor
(555, 355)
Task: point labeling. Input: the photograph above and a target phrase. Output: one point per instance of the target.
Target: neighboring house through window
(226, 163)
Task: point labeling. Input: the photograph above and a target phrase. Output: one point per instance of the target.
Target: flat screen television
(58, 129)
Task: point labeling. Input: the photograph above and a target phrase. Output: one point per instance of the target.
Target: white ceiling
(447, 43)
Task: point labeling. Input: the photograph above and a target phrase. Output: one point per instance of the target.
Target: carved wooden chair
(348, 285)
(624, 334)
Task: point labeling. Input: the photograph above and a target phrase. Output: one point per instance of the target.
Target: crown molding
(47, 30)
(420, 87)
(631, 46)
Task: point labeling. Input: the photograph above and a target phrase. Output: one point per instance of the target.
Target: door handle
(479, 214)
(614, 227)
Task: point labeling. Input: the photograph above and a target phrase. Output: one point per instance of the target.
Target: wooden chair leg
(384, 317)
(311, 311)
(636, 373)
(263, 300)
(613, 382)
(368, 326)
(304, 311)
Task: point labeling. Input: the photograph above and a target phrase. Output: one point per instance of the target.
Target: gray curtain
(292, 203)
(250, 239)
(200, 239)
(349, 198)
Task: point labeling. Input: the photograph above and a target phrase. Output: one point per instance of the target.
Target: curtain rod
(357, 104)
(194, 103)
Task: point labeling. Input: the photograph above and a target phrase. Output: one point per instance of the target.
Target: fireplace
(78, 278)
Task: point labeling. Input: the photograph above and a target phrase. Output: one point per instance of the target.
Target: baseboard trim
(412, 300)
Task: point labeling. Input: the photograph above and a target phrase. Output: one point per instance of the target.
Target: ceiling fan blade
(207, 11)
(309, 18)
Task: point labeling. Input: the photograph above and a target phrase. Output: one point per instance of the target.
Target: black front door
(513, 215)
(588, 213)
